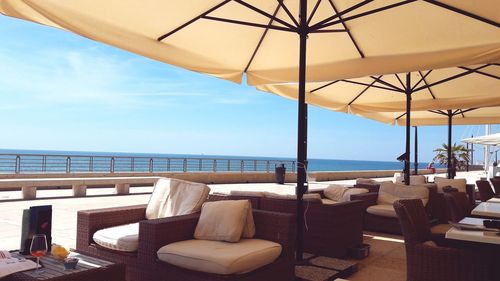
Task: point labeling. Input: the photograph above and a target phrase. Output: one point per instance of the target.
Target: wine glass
(38, 248)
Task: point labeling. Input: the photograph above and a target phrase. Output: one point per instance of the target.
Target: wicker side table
(88, 269)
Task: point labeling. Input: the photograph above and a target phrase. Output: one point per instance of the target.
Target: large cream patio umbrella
(267, 40)
(429, 97)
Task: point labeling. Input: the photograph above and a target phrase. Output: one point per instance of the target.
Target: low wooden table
(486, 209)
(87, 269)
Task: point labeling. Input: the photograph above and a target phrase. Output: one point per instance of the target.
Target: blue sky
(59, 91)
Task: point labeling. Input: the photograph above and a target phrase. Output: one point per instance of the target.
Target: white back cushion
(173, 197)
(414, 180)
(459, 184)
(366, 181)
(335, 192)
(390, 192)
(222, 220)
(311, 197)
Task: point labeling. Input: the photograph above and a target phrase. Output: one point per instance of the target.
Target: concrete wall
(221, 177)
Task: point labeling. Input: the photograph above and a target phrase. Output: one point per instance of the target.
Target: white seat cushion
(327, 201)
(311, 197)
(121, 238)
(223, 220)
(247, 193)
(220, 257)
(459, 184)
(366, 181)
(383, 210)
(173, 197)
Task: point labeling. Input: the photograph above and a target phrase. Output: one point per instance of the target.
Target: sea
(193, 162)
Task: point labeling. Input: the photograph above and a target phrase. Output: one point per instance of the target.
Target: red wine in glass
(38, 248)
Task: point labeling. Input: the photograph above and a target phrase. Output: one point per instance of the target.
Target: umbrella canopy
(493, 139)
(226, 38)
(448, 88)
(284, 41)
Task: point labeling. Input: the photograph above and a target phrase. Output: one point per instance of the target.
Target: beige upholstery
(459, 184)
(222, 220)
(220, 257)
(366, 181)
(249, 228)
(414, 180)
(173, 197)
(120, 238)
(384, 210)
(335, 192)
(247, 193)
(312, 197)
(327, 201)
(390, 192)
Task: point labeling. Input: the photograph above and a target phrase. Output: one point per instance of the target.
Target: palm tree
(459, 156)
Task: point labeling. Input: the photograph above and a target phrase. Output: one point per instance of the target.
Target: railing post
(44, 163)
(200, 165)
(293, 166)
(255, 165)
(228, 165)
(112, 165)
(267, 166)
(151, 165)
(215, 165)
(184, 165)
(68, 165)
(242, 166)
(132, 164)
(18, 164)
(168, 164)
(91, 164)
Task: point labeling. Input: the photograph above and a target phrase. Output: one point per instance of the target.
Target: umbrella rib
(361, 54)
(261, 39)
(400, 116)
(329, 30)
(324, 86)
(370, 85)
(350, 9)
(255, 9)
(313, 12)
(480, 72)
(472, 70)
(379, 79)
(367, 13)
(439, 112)
(280, 2)
(265, 26)
(421, 79)
(362, 92)
(399, 79)
(462, 12)
(193, 20)
(426, 84)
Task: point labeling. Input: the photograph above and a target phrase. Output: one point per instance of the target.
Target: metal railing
(53, 163)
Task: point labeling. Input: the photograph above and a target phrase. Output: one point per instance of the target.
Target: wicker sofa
(332, 229)
(116, 234)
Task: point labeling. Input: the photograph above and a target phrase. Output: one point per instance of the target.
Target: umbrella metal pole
(408, 128)
(416, 151)
(450, 120)
(302, 131)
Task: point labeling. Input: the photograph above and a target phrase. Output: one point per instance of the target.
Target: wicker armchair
(276, 227)
(427, 261)
(89, 221)
(458, 205)
(331, 229)
(485, 190)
